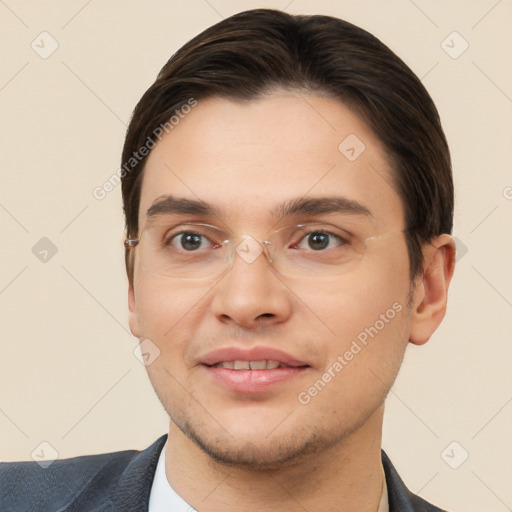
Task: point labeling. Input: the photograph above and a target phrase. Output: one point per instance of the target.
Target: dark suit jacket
(121, 482)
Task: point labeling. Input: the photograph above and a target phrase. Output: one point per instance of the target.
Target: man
(288, 198)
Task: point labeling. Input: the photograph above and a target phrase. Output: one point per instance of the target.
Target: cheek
(384, 276)
(169, 316)
(165, 309)
(369, 320)
(358, 299)
(367, 314)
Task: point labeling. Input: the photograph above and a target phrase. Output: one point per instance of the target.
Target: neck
(345, 476)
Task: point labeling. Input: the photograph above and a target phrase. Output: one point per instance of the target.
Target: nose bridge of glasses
(250, 248)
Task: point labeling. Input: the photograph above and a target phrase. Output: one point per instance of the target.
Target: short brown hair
(255, 52)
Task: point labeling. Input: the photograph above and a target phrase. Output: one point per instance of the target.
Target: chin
(270, 454)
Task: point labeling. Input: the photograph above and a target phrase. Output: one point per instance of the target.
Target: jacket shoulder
(26, 486)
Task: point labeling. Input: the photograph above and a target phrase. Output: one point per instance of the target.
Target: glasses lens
(183, 251)
(315, 250)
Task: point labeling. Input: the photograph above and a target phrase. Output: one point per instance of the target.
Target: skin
(227, 451)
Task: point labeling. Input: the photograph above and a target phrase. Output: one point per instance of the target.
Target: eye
(191, 238)
(320, 241)
(189, 241)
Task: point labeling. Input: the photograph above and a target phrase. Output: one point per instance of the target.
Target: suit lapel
(399, 497)
(131, 493)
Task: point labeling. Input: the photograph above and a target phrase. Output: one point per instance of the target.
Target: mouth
(252, 371)
(251, 365)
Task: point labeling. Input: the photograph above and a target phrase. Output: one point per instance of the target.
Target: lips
(256, 355)
(251, 370)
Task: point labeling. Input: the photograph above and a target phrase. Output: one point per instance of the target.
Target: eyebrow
(173, 205)
(168, 205)
(320, 206)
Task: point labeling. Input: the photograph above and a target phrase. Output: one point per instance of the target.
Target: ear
(133, 318)
(431, 289)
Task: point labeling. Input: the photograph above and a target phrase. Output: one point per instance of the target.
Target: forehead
(245, 159)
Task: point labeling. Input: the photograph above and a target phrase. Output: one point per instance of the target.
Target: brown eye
(189, 241)
(320, 241)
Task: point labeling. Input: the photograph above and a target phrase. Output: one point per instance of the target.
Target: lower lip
(253, 381)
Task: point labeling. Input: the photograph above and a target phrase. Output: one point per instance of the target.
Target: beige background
(68, 375)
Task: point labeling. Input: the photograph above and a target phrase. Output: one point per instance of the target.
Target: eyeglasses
(202, 251)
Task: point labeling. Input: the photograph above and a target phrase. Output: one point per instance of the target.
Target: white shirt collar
(163, 498)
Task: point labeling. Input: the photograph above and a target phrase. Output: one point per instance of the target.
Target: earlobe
(133, 318)
(431, 293)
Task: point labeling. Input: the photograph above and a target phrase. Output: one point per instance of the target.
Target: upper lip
(254, 354)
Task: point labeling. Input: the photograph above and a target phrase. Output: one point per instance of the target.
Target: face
(338, 338)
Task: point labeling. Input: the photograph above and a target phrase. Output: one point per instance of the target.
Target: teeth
(250, 365)
(258, 365)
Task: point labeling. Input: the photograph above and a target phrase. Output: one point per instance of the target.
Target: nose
(251, 295)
